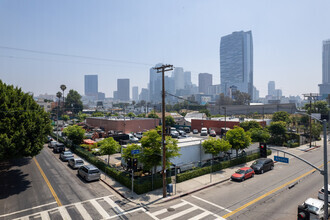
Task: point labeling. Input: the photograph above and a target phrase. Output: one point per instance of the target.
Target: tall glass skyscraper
(91, 85)
(236, 62)
(123, 89)
(325, 86)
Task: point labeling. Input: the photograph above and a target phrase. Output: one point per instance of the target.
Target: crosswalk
(183, 210)
(98, 208)
(106, 208)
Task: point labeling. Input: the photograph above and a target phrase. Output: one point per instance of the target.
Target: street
(61, 194)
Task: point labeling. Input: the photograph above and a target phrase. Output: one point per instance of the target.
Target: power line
(72, 55)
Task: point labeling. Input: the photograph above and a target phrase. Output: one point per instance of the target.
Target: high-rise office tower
(325, 86)
(144, 94)
(271, 88)
(123, 89)
(91, 85)
(236, 62)
(135, 93)
(178, 76)
(155, 85)
(204, 81)
(187, 79)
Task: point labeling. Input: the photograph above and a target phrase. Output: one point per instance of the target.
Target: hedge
(216, 167)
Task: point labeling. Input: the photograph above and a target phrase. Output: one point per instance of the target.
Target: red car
(243, 173)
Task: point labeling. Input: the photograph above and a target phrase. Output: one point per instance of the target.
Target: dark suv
(58, 148)
(263, 164)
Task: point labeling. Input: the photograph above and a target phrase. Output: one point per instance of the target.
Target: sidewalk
(193, 185)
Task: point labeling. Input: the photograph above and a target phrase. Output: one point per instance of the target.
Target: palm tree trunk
(108, 159)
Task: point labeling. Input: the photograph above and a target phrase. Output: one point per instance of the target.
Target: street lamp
(324, 172)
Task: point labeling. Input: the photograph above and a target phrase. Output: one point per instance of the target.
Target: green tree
(75, 133)
(131, 115)
(82, 116)
(152, 114)
(241, 98)
(24, 125)
(109, 146)
(238, 138)
(214, 146)
(63, 87)
(151, 149)
(206, 111)
(142, 115)
(277, 130)
(316, 130)
(247, 125)
(97, 114)
(66, 117)
(259, 135)
(224, 100)
(127, 151)
(281, 116)
(169, 121)
(73, 101)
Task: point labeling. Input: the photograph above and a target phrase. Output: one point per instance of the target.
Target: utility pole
(162, 69)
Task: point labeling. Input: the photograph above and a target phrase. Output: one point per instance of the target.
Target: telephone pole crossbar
(162, 69)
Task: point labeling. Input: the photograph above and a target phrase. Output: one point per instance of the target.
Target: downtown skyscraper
(236, 63)
(325, 86)
(123, 89)
(91, 85)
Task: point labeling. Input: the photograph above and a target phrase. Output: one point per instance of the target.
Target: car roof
(245, 168)
(328, 187)
(314, 202)
(263, 159)
(90, 167)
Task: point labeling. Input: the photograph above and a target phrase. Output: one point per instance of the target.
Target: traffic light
(303, 214)
(129, 163)
(263, 150)
(135, 163)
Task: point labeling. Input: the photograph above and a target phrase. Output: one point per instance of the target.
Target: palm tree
(63, 87)
(58, 95)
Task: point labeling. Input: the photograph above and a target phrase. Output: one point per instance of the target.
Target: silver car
(75, 163)
(89, 172)
(66, 155)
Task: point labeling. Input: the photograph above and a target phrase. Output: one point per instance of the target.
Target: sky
(44, 44)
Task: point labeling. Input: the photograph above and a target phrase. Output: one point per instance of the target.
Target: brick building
(126, 126)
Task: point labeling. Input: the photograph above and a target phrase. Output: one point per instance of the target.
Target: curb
(119, 193)
(312, 148)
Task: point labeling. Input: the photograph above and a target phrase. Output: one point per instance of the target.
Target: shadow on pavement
(13, 181)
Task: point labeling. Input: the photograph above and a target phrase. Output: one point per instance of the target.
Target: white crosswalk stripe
(182, 213)
(62, 210)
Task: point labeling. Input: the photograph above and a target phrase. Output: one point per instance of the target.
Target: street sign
(135, 152)
(281, 159)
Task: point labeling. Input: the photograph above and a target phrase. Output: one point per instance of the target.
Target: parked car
(66, 155)
(51, 144)
(243, 174)
(204, 132)
(75, 162)
(181, 132)
(263, 164)
(315, 207)
(187, 129)
(174, 133)
(58, 148)
(212, 133)
(49, 139)
(321, 193)
(132, 138)
(195, 131)
(139, 135)
(89, 172)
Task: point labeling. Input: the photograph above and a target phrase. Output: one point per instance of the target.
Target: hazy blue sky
(287, 38)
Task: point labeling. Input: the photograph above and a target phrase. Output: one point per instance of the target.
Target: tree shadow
(13, 181)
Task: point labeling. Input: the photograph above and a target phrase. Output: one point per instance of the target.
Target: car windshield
(67, 153)
(240, 171)
(312, 209)
(258, 162)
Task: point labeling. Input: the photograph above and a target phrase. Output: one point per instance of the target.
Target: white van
(204, 131)
(315, 208)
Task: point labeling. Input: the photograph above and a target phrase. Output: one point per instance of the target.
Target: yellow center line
(268, 193)
(48, 183)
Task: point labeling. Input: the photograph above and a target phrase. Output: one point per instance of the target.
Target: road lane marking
(200, 216)
(220, 207)
(165, 210)
(44, 215)
(205, 210)
(81, 209)
(179, 214)
(48, 183)
(116, 207)
(24, 210)
(99, 208)
(64, 213)
(268, 193)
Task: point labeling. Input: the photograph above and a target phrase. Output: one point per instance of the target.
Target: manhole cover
(171, 209)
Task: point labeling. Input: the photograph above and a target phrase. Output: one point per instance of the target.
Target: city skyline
(126, 39)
